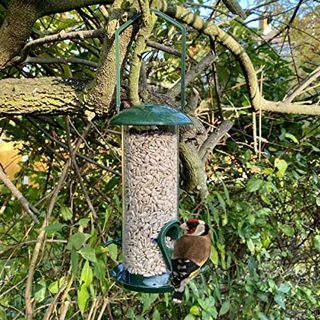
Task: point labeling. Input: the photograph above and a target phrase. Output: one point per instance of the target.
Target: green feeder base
(134, 282)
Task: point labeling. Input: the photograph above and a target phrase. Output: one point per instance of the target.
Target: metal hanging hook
(182, 61)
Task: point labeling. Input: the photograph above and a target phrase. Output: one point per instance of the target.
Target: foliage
(263, 206)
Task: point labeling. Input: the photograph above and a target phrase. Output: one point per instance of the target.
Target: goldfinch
(190, 253)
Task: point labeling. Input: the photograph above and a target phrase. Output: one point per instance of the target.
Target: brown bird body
(190, 253)
(187, 247)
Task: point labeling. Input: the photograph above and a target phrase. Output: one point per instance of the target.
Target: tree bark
(41, 96)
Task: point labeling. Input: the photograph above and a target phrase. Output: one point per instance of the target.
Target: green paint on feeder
(139, 283)
(150, 114)
(153, 284)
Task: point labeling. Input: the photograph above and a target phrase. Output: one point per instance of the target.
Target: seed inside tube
(150, 196)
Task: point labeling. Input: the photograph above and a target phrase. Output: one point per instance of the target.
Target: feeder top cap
(150, 114)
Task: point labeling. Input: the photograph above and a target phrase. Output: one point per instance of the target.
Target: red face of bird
(195, 227)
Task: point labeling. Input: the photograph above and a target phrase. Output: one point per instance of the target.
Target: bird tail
(177, 297)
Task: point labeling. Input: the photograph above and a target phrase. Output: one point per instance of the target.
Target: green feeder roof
(150, 114)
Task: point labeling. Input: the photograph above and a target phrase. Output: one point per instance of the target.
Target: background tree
(259, 188)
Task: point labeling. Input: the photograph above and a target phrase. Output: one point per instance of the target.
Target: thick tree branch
(57, 6)
(140, 45)
(217, 34)
(14, 32)
(41, 96)
(101, 90)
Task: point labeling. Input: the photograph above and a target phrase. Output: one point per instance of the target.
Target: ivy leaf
(284, 287)
(279, 299)
(282, 166)
(86, 274)
(317, 242)
(224, 308)
(254, 184)
(88, 253)
(77, 240)
(83, 297)
(66, 213)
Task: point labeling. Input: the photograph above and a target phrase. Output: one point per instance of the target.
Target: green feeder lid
(150, 114)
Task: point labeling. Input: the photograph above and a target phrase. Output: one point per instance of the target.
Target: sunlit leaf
(88, 253)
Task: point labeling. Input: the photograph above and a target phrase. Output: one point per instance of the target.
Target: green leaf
(40, 292)
(221, 201)
(291, 137)
(284, 287)
(66, 213)
(74, 261)
(254, 184)
(54, 227)
(56, 285)
(156, 315)
(194, 289)
(282, 166)
(262, 316)
(195, 310)
(189, 317)
(251, 246)
(317, 242)
(112, 183)
(83, 297)
(224, 308)
(279, 299)
(113, 251)
(287, 230)
(214, 256)
(83, 222)
(88, 253)
(100, 270)
(77, 240)
(86, 274)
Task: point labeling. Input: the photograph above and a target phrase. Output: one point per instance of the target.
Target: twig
(96, 33)
(105, 304)
(63, 145)
(64, 310)
(40, 60)
(193, 73)
(214, 138)
(305, 83)
(162, 47)
(40, 240)
(23, 201)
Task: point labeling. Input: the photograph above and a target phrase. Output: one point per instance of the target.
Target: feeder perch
(150, 185)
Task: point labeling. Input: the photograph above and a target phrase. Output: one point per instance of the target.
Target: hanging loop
(183, 54)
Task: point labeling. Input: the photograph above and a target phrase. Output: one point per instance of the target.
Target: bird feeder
(150, 184)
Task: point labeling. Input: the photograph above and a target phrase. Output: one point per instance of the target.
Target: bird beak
(184, 227)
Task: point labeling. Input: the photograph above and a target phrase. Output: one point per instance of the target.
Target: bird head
(195, 227)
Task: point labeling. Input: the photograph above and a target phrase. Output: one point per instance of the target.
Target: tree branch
(304, 84)
(193, 73)
(41, 96)
(29, 209)
(226, 40)
(59, 60)
(213, 139)
(101, 89)
(57, 6)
